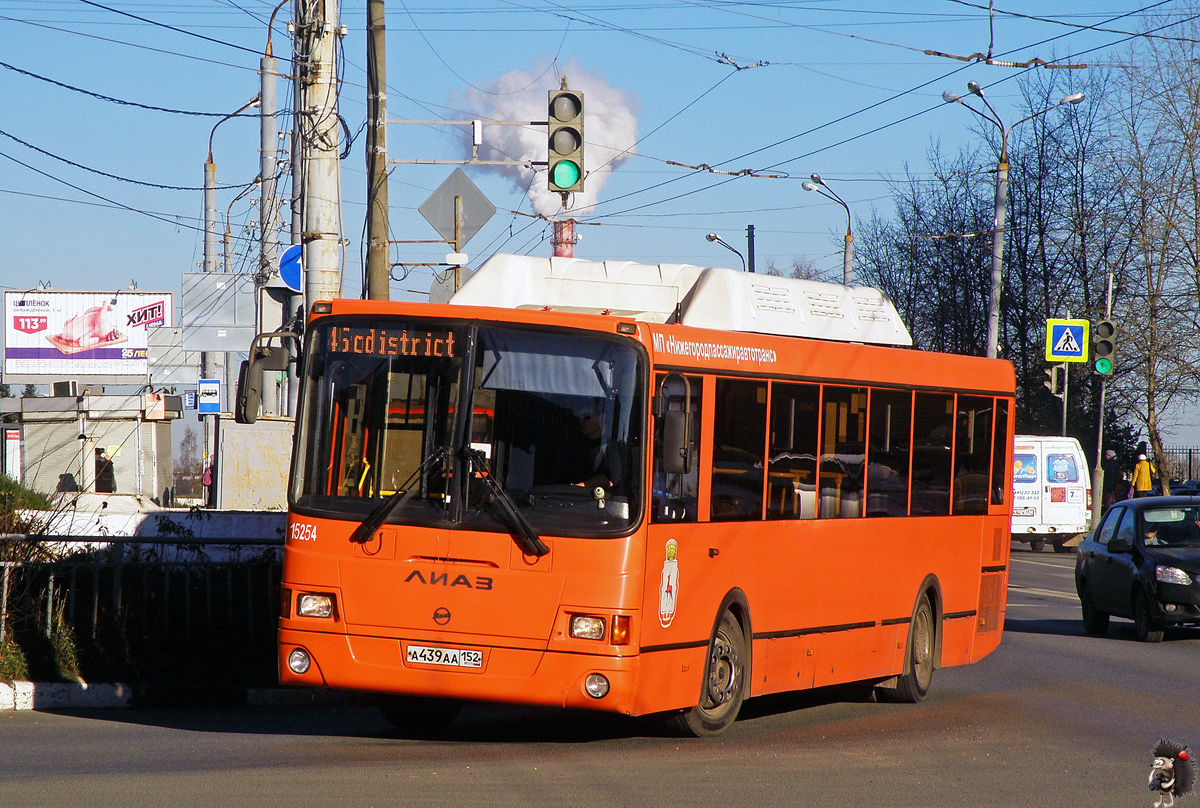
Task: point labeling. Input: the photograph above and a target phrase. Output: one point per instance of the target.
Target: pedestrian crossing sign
(1067, 340)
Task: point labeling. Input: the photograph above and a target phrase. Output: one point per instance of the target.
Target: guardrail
(144, 608)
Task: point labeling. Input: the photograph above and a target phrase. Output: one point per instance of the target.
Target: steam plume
(610, 132)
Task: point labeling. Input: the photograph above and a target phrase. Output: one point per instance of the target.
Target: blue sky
(786, 88)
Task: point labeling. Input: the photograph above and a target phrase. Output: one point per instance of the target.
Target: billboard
(81, 335)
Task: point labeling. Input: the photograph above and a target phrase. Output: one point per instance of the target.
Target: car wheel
(1095, 622)
(725, 682)
(913, 684)
(1147, 628)
(1061, 547)
(1037, 545)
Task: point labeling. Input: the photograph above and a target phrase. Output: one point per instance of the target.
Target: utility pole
(750, 248)
(317, 37)
(378, 270)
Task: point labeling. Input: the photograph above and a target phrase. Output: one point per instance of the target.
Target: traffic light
(1106, 344)
(1053, 382)
(564, 141)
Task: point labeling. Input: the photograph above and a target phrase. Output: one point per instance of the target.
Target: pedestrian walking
(1143, 476)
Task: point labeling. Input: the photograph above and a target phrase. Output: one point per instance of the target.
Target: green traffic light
(565, 174)
(1104, 365)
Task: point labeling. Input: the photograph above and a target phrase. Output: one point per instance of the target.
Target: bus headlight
(586, 627)
(596, 685)
(314, 604)
(299, 661)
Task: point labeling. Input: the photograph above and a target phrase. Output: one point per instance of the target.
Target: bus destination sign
(390, 342)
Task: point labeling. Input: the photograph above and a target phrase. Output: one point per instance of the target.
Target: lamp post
(820, 186)
(993, 332)
(723, 243)
(213, 362)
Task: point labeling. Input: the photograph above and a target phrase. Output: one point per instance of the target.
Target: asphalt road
(1053, 718)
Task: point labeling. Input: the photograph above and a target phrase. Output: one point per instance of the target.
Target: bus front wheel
(913, 684)
(725, 683)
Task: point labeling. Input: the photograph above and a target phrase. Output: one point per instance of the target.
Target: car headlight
(1172, 575)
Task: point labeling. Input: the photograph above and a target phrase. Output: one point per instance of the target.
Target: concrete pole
(993, 329)
(378, 269)
(268, 217)
(210, 215)
(322, 146)
(562, 238)
(211, 361)
(848, 259)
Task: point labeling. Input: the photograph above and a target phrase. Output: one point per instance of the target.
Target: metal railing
(1181, 463)
(218, 595)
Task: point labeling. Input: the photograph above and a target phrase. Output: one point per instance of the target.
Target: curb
(81, 696)
(60, 696)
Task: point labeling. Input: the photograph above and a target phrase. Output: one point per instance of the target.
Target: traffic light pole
(1098, 472)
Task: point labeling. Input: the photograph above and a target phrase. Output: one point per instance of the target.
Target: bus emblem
(441, 615)
(668, 588)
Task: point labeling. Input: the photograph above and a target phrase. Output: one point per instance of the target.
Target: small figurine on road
(1173, 773)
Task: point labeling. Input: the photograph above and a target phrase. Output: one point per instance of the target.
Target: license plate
(452, 657)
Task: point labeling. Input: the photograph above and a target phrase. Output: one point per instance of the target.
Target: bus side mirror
(676, 446)
(250, 375)
(249, 393)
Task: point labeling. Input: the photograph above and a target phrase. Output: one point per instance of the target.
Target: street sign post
(1067, 340)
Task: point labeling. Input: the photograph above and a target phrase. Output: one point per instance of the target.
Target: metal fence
(148, 609)
(1180, 463)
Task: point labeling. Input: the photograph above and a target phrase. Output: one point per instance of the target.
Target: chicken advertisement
(68, 334)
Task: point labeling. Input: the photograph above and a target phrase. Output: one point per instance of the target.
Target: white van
(1052, 491)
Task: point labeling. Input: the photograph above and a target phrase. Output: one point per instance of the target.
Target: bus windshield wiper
(363, 533)
(530, 540)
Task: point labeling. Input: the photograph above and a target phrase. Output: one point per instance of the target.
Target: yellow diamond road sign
(1067, 340)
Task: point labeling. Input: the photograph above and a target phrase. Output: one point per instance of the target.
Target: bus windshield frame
(557, 417)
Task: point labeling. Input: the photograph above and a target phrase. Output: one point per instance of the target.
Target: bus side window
(676, 494)
(933, 427)
(739, 438)
(843, 447)
(972, 454)
(1000, 446)
(792, 459)
(889, 454)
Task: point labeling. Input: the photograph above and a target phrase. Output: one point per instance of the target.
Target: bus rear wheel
(913, 685)
(725, 682)
(419, 716)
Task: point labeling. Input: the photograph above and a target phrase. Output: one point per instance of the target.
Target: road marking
(1042, 564)
(1049, 593)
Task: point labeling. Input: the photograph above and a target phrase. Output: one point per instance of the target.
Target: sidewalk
(73, 696)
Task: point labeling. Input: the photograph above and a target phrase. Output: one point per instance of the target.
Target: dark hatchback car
(1142, 562)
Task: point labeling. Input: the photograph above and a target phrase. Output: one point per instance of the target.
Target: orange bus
(639, 489)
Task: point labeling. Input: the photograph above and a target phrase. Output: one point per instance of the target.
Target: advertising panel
(81, 334)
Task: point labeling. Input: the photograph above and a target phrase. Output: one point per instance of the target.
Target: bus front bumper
(505, 674)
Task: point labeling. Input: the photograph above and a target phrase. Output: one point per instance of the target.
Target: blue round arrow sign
(291, 268)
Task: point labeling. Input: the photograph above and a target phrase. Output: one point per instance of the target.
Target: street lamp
(723, 243)
(210, 192)
(993, 333)
(820, 186)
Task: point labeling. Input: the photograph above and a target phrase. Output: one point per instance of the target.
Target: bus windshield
(428, 410)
